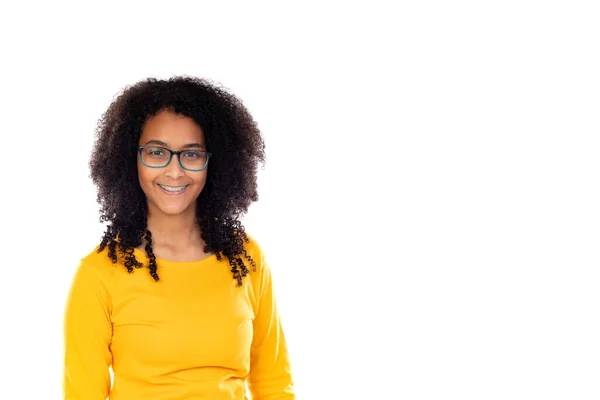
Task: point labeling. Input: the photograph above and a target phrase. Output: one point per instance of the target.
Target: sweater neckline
(162, 261)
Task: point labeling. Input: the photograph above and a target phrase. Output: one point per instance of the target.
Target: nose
(174, 170)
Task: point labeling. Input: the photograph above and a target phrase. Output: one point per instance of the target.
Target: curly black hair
(233, 138)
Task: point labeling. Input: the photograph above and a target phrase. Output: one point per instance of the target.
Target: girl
(177, 298)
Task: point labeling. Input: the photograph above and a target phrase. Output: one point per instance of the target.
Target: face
(174, 132)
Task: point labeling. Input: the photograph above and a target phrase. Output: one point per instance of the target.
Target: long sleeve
(270, 376)
(87, 336)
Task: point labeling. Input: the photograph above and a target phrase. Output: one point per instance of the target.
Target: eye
(192, 154)
(155, 151)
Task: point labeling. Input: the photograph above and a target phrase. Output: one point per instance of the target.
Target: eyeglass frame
(176, 152)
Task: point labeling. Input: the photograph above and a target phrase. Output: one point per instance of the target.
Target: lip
(173, 193)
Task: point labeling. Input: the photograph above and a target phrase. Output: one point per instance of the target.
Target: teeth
(173, 189)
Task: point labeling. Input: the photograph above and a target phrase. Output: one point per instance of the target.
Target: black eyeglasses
(160, 157)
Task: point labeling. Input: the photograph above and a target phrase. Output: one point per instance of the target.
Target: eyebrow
(163, 144)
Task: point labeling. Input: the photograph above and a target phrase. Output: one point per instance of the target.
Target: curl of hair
(231, 135)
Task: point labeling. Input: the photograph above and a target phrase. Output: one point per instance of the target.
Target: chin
(173, 209)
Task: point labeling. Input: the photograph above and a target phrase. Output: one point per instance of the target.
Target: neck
(176, 230)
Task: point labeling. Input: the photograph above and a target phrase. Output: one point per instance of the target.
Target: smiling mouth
(173, 189)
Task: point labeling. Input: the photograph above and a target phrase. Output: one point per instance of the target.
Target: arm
(270, 375)
(87, 336)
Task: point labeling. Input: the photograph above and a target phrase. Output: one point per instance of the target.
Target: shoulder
(253, 248)
(97, 263)
(91, 278)
(262, 275)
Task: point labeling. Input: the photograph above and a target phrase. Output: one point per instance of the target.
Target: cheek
(200, 180)
(145, 176)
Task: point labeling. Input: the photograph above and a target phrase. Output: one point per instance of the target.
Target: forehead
(172, 129)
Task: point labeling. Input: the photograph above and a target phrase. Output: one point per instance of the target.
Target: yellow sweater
(192, 335)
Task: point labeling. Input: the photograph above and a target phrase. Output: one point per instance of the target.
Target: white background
(429, 206)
